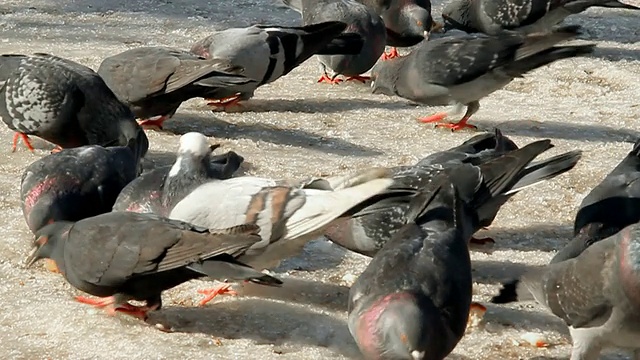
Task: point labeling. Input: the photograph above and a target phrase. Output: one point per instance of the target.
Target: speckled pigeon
(268, 52)
(368, 229)
(412, 301)
(362, 20)
(528, 16)
(160, 189)
(155, 81)
(462, 70)
(122, 256)
(597, 294)
(62, 102)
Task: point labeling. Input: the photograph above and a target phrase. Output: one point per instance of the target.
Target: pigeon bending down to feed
(289, 215)
(408, 22)
(412, 301)
(268, 52)
(462, 70)
(155, 81)
(368, 229)
(361, 20)
(160, 189)
(527, 16)
(77, 183)
(122, 256)
(62, 102)
(595, 293)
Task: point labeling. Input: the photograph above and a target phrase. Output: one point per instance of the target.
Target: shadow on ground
(559, 130)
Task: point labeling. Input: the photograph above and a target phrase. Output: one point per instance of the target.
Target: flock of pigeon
(121, 234)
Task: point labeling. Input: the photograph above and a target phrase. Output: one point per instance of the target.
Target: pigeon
(62, 102)
(281, 48)
(76, 183)
(408, 22)
(155, 81)
(595, 294)
(413, 299)
(122, 256)
(289, 214)
(362, 20)
(368, 229)
(462, 70)
(526, 16)
(160, 189)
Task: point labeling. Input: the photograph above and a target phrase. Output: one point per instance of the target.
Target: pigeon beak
(436, 27)
(214, 146)
(32, 258)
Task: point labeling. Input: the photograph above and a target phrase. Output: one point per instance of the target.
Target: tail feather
(226, 267)
(343, 44)
(537, 42)
(618, 5)
(546, 57)
(546, 169)
(217, 80)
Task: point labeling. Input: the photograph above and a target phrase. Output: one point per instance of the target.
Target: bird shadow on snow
(263, 321)
(212, 126)
(559, 130)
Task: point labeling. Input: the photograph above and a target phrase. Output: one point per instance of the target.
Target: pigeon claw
(156, 123)
(110, 306)
(437, 117)
(482, 241)
(393, 53)
(457, 126)
(360, 78)
(330, 80)
(215, 291)
(25, 139)
(225, 103)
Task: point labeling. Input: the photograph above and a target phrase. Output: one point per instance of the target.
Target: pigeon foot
(51, 266)
(393, 53)
(215, 291)
(437, 117)
(25, 139)
(359, 78)
(462, 124)
(482, 241)
(330, 80)
(157, 123)
(108, 303)
(225, 103)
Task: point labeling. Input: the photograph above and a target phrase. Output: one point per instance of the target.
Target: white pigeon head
(194, 144)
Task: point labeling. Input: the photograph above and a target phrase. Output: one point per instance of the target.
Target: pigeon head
(194, 152)
(201, 47)
(391, 327)
(416, 20)
(48, 243)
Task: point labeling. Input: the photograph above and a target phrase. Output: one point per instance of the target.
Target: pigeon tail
(317, 37)
(546, 169)
(618, 5)
(545, 57)
(226, 267)
(221, 79)
(343, 44)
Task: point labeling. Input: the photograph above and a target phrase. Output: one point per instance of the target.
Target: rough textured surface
(295, 127)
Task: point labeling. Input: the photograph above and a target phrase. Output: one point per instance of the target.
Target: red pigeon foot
(331, 80)
(157, 123)
(437, 117)
(462, 124)
(97, 302)
(482, 241)
(25, 139)
(51, 266)
(360, 78)
(109, 304)
(393, 53)
(225, 103)
(215, 291)
(56, 149)
(139, 312)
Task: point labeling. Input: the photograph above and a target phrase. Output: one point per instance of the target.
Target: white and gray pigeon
(361, 20)
(62, 102)
(268, 52)
(155, 81)
(528, 16)
(460, 71)
(597, 294)
(159, 190)
(412, 301)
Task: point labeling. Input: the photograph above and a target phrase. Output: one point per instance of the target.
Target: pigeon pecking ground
(295, 127)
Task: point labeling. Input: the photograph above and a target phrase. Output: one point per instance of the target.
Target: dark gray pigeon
(154, 81)
(462, 70)
(62, 102)
(412, 301)
(408, 22)
(370, 226)
(361, 20)
(268, 52)
(160, 189)
(595, 293)
(527, 16)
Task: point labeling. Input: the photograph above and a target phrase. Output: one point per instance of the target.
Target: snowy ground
(293, 128)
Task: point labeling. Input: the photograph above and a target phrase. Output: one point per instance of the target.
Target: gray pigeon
(154, 81)
(63, 102)
(527, 16)
(408, 22)
(268, 52)
(462, 70)
(413, 299)
(361, 20)
(160, 189)
(369, 228)
(595, 293)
